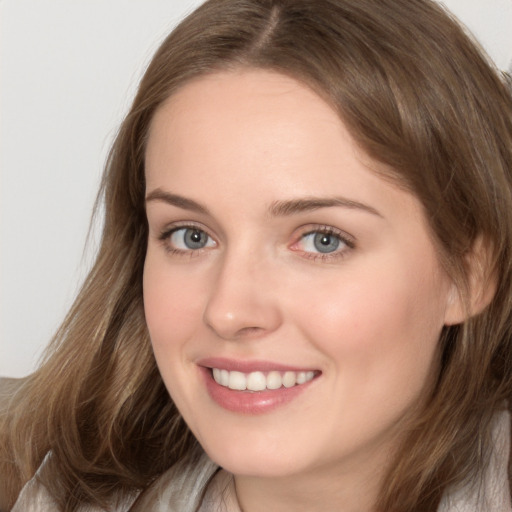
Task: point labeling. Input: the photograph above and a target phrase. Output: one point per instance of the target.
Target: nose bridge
(242, 300)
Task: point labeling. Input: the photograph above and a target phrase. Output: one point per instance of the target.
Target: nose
(243, 300)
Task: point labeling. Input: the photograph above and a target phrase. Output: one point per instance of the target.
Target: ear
(482, 284)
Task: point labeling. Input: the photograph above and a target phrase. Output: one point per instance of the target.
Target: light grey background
(68, 71)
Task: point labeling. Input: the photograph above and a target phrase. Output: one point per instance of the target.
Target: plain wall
(68, 71)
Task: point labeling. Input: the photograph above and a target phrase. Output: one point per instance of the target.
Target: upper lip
(248, 366)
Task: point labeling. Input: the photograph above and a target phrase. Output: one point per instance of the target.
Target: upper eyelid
(163, 235)
(175, 226)
(321, 228)
(161, 226)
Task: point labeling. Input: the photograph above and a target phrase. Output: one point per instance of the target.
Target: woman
(304, 274)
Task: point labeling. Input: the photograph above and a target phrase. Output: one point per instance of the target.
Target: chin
(263, 466)
(262, 454)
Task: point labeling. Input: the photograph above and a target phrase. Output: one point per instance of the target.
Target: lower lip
(250, 402)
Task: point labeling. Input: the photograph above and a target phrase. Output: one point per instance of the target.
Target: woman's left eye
(323, 243)
(188, 239)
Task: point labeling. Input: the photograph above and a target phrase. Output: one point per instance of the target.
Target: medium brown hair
(421, 99)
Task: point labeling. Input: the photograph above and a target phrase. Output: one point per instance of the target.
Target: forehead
(246, 117)
(254, 137)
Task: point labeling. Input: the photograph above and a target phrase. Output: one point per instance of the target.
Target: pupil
(195, 239)
(326, 243)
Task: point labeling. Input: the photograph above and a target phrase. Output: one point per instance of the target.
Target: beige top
(203, 488)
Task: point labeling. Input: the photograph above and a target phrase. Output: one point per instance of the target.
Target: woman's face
(277, 261)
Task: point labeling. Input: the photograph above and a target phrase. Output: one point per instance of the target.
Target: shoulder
(182, 487)
(34, 496)
(490, 490)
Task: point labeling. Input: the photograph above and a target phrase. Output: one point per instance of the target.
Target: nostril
(250, 331)
(237, 334)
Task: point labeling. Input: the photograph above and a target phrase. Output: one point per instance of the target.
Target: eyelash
(166, 235)
(343, 238)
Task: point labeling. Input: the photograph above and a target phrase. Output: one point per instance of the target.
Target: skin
(366, 317)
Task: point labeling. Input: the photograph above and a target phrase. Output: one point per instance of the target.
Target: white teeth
(301, 377)
(289, 379)
(274, 380)
(237, 380)
(224, 378)
(258, 381)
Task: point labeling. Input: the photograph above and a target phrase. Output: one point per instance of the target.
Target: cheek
(380, 330)
(173, 312)
(171, 303)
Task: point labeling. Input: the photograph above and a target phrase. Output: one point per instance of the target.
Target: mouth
(254, 387)
(259, 380)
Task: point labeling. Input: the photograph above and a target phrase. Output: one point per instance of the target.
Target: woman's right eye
(188, 239)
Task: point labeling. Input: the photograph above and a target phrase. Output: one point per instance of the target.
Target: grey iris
(326, 243)
(195, 239)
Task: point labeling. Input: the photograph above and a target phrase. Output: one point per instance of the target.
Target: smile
(254, 387)
(260, 381)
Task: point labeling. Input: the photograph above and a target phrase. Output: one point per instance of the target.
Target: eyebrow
(176, 200)
(294, 206)
(277, 208)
